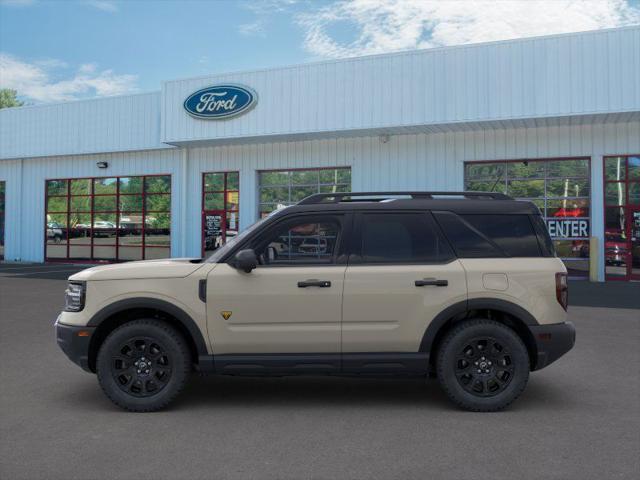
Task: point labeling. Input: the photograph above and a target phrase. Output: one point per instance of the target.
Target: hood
(166, 268)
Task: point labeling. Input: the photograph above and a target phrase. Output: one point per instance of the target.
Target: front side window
(304, 241)
(410, 238)
(281, 188)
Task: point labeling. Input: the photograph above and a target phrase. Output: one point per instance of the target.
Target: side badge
(226, 314)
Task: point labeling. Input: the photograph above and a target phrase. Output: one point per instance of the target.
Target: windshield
(222, 251)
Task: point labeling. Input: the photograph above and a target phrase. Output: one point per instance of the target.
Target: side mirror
(245, 260)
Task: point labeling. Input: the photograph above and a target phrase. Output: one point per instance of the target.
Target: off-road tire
(114, 367)
(458, 345)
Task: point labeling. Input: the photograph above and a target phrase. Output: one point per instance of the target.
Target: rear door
(401, 275)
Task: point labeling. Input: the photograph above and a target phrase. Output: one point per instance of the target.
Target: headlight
(74, 297)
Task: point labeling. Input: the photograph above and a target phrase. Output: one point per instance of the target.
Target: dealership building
(555, 120)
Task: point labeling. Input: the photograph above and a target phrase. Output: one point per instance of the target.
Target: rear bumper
(552, 341)
(75, 346)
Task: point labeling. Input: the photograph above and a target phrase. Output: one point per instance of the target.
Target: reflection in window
(302, 243)
(279, 188)
(109, 219)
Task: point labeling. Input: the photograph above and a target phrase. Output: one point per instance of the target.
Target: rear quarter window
(514, 234)
(490, 236)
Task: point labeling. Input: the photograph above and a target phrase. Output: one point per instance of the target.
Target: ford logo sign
(220, 101)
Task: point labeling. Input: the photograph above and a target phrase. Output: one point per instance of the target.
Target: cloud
(252, 29)
(104, 5)
(388, 25)
(37, 81)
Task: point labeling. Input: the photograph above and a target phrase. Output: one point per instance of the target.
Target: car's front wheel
(143, 365)
(482, 365)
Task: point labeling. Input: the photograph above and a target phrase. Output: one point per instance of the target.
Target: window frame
(289, 185)
(355, 250)
(92, 195)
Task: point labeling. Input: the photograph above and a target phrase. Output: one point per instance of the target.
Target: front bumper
(74, 342)
(552, 341)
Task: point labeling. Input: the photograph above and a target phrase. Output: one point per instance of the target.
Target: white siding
(548, 77)
(25, 199)
(421, 161)
(90, 126)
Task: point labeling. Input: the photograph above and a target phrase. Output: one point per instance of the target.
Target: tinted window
(467, 241)
(402, 238)
(514, 234)
(544, 240)
(477, 236)
(307, 240)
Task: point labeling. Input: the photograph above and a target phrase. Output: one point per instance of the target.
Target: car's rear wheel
(482, 365)
(143, 365)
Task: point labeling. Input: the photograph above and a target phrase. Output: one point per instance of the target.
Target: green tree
(8, 98)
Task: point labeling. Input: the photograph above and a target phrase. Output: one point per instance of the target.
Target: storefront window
(279, 188)
(622, 217)
(108, 219)
(560, 188)
(2, 210)
(220, 209)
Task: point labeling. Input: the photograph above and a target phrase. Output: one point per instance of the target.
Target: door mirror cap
(245, 260)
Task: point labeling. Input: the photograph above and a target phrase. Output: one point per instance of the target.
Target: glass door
(634, 243)
(622, 217)
(220, 209)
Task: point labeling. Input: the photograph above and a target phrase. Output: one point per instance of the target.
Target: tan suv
(464, 286)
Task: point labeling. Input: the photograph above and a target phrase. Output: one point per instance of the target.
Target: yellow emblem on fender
(226, 314)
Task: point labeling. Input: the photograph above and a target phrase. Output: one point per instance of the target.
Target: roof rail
(339, 196)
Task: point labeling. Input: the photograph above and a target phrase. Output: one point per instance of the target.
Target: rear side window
(514, 234)
(476, 236)
(544, 239)
(467, 241)
(394, 238)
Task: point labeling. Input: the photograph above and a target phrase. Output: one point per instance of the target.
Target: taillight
(562, 289)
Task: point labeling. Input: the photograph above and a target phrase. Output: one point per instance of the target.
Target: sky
(59, 50)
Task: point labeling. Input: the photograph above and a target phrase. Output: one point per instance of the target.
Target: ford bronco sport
(464, 286)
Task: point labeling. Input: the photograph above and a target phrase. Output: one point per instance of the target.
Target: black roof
(457, 202)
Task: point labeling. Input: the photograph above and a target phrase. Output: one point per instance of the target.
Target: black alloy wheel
(143, 365)
(482, 365)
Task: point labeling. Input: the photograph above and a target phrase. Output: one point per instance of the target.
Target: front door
(402, 274)
(291, 303)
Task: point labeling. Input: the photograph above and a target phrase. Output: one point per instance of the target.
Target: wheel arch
(505, 312)
(123, 311)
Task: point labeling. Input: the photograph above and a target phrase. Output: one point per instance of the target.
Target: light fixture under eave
(102, 164)
(384, 138)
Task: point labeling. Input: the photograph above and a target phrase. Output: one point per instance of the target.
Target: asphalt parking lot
(578, 419)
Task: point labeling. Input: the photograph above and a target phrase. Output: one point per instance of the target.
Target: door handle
(314, 283)
(427, 282)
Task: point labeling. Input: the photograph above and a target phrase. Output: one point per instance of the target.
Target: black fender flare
(155, 304)
(462, 308)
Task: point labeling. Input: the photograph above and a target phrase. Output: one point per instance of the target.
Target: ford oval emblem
(220, 101)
